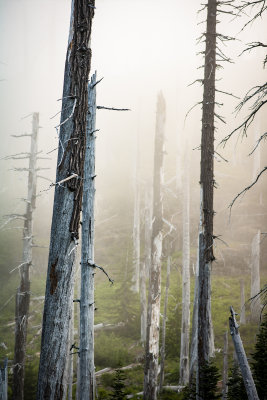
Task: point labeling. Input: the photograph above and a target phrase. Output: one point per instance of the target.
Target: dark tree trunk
(67, 205)
(23, 292)
(153, 308)
(206, 189)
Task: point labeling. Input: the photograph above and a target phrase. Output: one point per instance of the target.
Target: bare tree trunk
(185, 326)
(86, 349)
(162, 352)
(78, 272)
(4, 381)
(242, 359)
(206, 189)
(70, 354)
(194, 335)
(67, 205)
(242, 303)
(143, 302)
(23, 292)
(153, 311)
(148, 226)
(225, 367)
(255, 305)
(136, 224)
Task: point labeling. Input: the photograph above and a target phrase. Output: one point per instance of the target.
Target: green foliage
(118, 386)
(209, 380)
(259, 365)
(30, 383)
(236, 387)
(109, 351)
(173, 327)
(189, 392)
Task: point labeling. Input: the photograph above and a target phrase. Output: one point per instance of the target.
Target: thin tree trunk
(206, 189)
(242, 303)
(225, 367)
(4, 381)
(242, 359)
(67, 205)
(255, 305)
(153, 311)
(194, 337)
(143, 302)
(185, 326)
(136, 224)
(70, 354)
(86, 349)
(23, 292)
(148, 226)
(164, 319)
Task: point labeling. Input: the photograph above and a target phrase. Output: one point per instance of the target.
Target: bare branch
(112, 108)
(102, 269)
(258, 142)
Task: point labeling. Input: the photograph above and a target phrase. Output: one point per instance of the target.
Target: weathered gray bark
(185, 326)
(4, 380)
(143, 302)
(206, 189)
(242, 359)
(70, 355)
(148, 226)
(153, 308)
(194, 335)
(136, 224)
(86, 348)
(67, 205)
(255, 305)
(242, 303)
(225, 367)
(23, 292)
(163, 333)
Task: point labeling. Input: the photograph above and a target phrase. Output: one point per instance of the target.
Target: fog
(140, 48)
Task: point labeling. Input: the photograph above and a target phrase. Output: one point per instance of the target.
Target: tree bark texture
(194, 335)
(242, 303)
(242, 359)
(153, 311)
(164, 319)
(136, 224)
(206, 188)
(148, 226)
(23, 292)
(67, 205)
(255, 305)
(185, 326)
(70, 356)
(4, 380)
(87, 306)
(225, 367)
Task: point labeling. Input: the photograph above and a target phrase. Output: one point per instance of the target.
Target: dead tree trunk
(153, 311)
(4, 380)
(67, 204)
(148, 226)
(162, 352)
(23, 292)
(70, 355)
(225, 367)
(136, 224)
(255, 305)
(242, 359)
(206, 198)
(194, 335)
(242, 303)
(86, 349)
(185, 326)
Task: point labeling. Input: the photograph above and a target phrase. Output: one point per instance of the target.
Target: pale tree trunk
(242, 359)
(255, 305)
(78, 291)
(153, 308)
(67, 205)
(206, 189)
(143, 302)
(136, 223)
(86, 348)
(148, 226)
(242, 303)
(225, 367)
(185, 326)
(70, 352)
(4, 381)
(194, 335)
(164, 319)
(23, 292)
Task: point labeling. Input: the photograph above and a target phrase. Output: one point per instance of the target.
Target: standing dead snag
(153, 307)
(23, 292)
(86, 348)
(206, 196)
(255, 305)
(242, 359)
(136, 223)
(67, 205)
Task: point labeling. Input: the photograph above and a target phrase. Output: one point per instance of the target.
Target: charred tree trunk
(4, 380)
(162, 352)
(23, 292)
(206, 198)
(185, 326)
(136, 224)
(67, 205)
(255, 305)
(242, 303)
(225, 367)
(87, 306)
(242, 359)
(153, 311)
